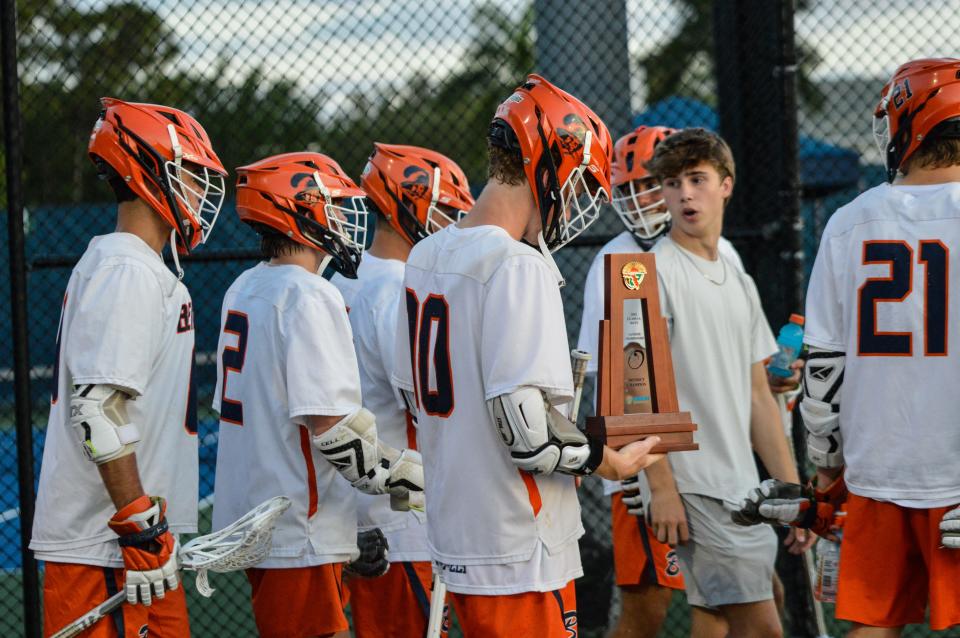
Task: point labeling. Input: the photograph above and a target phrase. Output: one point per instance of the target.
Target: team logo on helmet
(572, 133)
(633, 273)
(417, 182)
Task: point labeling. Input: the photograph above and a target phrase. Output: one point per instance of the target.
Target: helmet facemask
(344, 235)
(646, 221)
(199, 190)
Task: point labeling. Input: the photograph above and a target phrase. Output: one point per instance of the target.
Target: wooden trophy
(636, 391)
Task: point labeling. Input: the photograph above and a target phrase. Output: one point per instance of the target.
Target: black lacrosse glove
(372, 559)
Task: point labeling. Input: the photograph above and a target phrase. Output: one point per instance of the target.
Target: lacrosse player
(288, 394)
(119, 475)
(879, 313)
(414, 192)
(719, 340)
(484, 354)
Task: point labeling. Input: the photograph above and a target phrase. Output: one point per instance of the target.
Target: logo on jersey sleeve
(185, 323)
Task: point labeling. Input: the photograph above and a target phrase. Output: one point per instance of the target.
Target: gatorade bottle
(790, 341)
(828, 569)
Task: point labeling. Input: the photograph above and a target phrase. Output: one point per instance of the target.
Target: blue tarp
(823, 166)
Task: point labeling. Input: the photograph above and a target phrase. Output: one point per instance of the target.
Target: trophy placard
(636, 391)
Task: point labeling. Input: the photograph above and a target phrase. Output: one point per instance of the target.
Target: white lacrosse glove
(149, 549)
(631, 495)
(405, 482)
(950, 529)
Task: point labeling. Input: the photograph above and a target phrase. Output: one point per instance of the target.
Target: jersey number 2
(231, 360)
(429, 326)
(896, 287)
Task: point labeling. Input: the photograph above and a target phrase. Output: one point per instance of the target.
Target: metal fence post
(13, 146)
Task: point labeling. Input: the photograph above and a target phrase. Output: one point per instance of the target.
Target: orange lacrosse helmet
(411, 186)
(307, 198)
(921, 101)
(643, 212)
(566, 154)
(164, 156)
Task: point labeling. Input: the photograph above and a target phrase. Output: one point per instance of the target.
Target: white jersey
(127, 321)
(717, 332)
(285, 352)
(880, 293)
(487, 318)
(374, 317)
(350, 287)
(593, 289)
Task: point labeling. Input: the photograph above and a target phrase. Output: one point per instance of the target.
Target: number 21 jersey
(880, 293)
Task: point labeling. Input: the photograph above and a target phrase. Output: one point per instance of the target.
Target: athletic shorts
(638, 557)
(551, 614)
(892, 566)
(724, 563)
(71, 590)
(299, 602)
(407, 588)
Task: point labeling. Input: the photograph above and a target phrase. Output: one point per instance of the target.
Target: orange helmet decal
(920, 101)
(418, 191)
(307, 198)
(165, 157)
(642, 210)
(566, 154)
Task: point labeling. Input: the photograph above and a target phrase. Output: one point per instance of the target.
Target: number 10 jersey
(485, 317)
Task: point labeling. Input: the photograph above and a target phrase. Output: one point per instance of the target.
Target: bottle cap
(797, 319)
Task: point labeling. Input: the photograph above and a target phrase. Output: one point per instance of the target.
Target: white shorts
(724, 563)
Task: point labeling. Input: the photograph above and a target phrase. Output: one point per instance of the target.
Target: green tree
(683, 65)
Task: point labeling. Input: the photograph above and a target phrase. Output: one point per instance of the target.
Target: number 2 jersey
(485, 317)
(880, 293)
(285, 353)
(127, 321)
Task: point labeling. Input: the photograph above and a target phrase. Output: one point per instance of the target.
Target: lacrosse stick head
(240, 545)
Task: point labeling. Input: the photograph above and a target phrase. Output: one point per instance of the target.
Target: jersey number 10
(429, 326)
(898, 254)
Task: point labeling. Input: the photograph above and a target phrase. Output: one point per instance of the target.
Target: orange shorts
(892, 565)
(299, 602)
(71, 590)
(638, 557)
(405, 589)
(551, 614)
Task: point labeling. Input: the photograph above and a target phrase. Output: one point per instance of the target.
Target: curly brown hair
(933, 152)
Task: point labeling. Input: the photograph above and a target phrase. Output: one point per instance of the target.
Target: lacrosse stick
(237, 546)
(438, 596)
(578, 361)
(818, 616)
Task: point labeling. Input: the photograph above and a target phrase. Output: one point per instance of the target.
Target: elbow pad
(98, 415)
(351, 446)
(820, 407)
(540, 439)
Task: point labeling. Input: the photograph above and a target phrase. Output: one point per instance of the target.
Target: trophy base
(675, 430)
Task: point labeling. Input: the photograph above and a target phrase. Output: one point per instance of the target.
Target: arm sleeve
(824, 318)
(319, 359)
(593, 289)
(763, 342)
(531, 349)
(116, 329)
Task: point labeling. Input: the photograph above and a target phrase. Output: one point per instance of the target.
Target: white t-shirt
(486, 313)
(285, 352)
(717, 333)
(373, 317)
(593, 289)
(127, 321)
(880, 293)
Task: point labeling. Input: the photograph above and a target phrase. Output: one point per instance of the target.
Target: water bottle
(828, 569)
(790, 341)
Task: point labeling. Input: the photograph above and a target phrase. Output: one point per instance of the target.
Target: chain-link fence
(337, 75)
